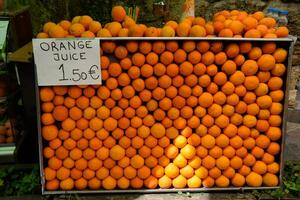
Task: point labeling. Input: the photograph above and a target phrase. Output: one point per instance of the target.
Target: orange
(50, 174)
(222, 121)
(167, 31)
(216, 47)
(46, 94)
(183, 29)
(222, 140)
(164, 182)
(205, 100)
(109, 183)
(220, 58)
(166, 58)
(233, 99)
(277, 95)
(222, 162)
(214, 130)
(275, 120)
(118, 13)
(52, 185)
(76, 29)
(273, 148)
(282, 32)
(230, 130)
(218, 26)
(229, 67)
(145, 47)
(239, 59)
(187, 171)
(254, 180)
(270, 180)
(203, 46)
(245, 47)
(240, 90)
(273, 168)
(85, 20)
(274, 133)
(47, 107)
(67, 184)
(138, 59)
(208, 162)
(55, 144)
(128, 21)
(238, 180)
(172, 24)
(171, 170)
(219, 98)
(255, 53)
(232, 50)
(194, 182)
(56, 31)
(226, 32)
(49, 132)
(228, 88)
(179, 182)
(197, 31)
(222, 181)
(47, 26)
(151, 182)
(278, 70)
(94, 26)
(208, 182)
(47, 119)
(136, 183)
(107, 46)
(236, 162)
(251, 82)
(48, 152)
(252, 33)
(241, 107)
(104, 32)
(266, 62)
(268, 158)
(171, 46)
(137, 161)
(117, 152)
(259, 167)
(201, 172)
(208, 58)
(188, 151)
(151, 32)
(268, 47)
(180, 161)
(249, 67)
(62, 173)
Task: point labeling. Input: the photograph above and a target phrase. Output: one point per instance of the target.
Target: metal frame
(8, 145)
(290, 41)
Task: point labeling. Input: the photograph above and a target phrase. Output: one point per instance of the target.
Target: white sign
(67, 61)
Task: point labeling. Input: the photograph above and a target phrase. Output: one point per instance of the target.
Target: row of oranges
(7, 133)
(168, 114)
(224, 24)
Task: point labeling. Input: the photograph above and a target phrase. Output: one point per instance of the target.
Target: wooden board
(24, 54)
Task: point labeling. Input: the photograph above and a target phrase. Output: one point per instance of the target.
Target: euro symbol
(93, 73)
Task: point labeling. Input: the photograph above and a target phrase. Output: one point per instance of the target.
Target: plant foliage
(291, 183)
(18, 182)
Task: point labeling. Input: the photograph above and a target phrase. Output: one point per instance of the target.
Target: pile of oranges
(168, 114)
(224, 24)
(7, 134)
